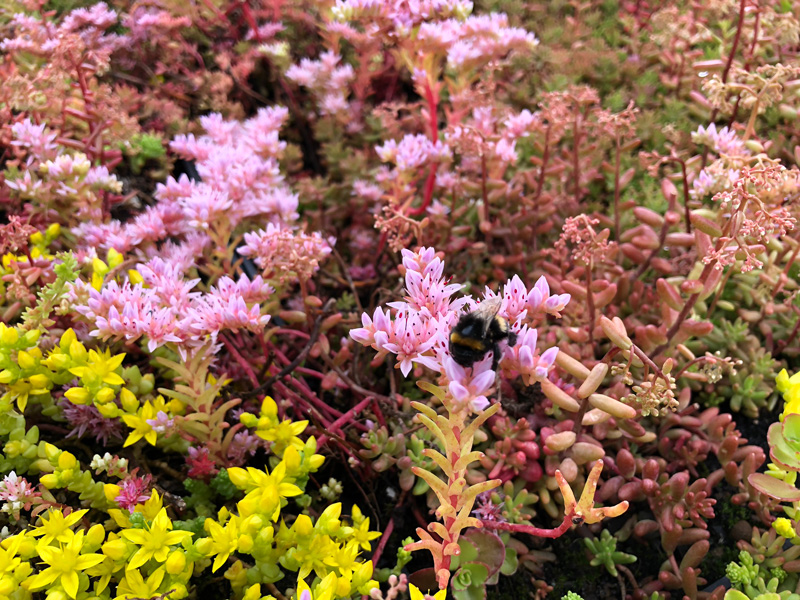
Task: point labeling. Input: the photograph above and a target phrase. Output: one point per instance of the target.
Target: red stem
(429, 183)
(531, 530)
(735, 41)
(616, 188)
(348, 416)
(539, 188)
(382, 544)
(434, 125)
(240, 359)
(306, 406)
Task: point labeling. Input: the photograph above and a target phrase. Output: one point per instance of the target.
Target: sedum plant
(418, 333)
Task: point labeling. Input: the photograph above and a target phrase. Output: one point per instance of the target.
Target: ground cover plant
(236, 241)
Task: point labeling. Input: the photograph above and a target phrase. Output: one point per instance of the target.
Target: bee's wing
(487, 311)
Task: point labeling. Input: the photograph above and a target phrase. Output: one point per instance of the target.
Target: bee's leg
(498, 381)
(495, 356)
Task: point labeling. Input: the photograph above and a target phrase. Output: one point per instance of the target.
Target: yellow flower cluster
(282, 434)
(147, 555)
(26, 373)
(143, 561)
(328, 548)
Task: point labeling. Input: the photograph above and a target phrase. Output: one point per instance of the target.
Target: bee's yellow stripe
(457, 338)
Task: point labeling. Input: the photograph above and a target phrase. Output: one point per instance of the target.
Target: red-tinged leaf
(774, 488)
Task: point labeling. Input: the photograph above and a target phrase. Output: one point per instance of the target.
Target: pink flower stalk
(539, 298)
(133, 490)
(265, 31)
(713, 179)
(146, 24)
(366, 190)
(82, 29)
(163, 424)
(214, 313)
(241, 179)
(401, 15)
(416, 330)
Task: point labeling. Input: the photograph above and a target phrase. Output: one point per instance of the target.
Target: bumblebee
(479, 332)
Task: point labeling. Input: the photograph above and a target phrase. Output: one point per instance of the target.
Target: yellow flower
(225, 540)
(141, 428)
(345, 557)
(57, 526)
(22, 390)
(324, 590)
(65, 563)
(135, 586)
(151, 507)
(361, 533)
(154, 541)
(100, 368)
(417, 595)
(105, 570)
(281, 434)
(9, 563)
(265, 490)
(785, 528)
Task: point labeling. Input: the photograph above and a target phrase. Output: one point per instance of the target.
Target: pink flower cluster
(238, 164)
(722, 141)
(486, 135)
(401, 14)
(476, 40)
(442, 27)
(757, 203)
(719, 176)
(17, 494)
(284, 254)
(134, 490)
(165, 309)
(416, 330)
(327, 79)
(62, 178)
(82, 30)
(412, 152)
